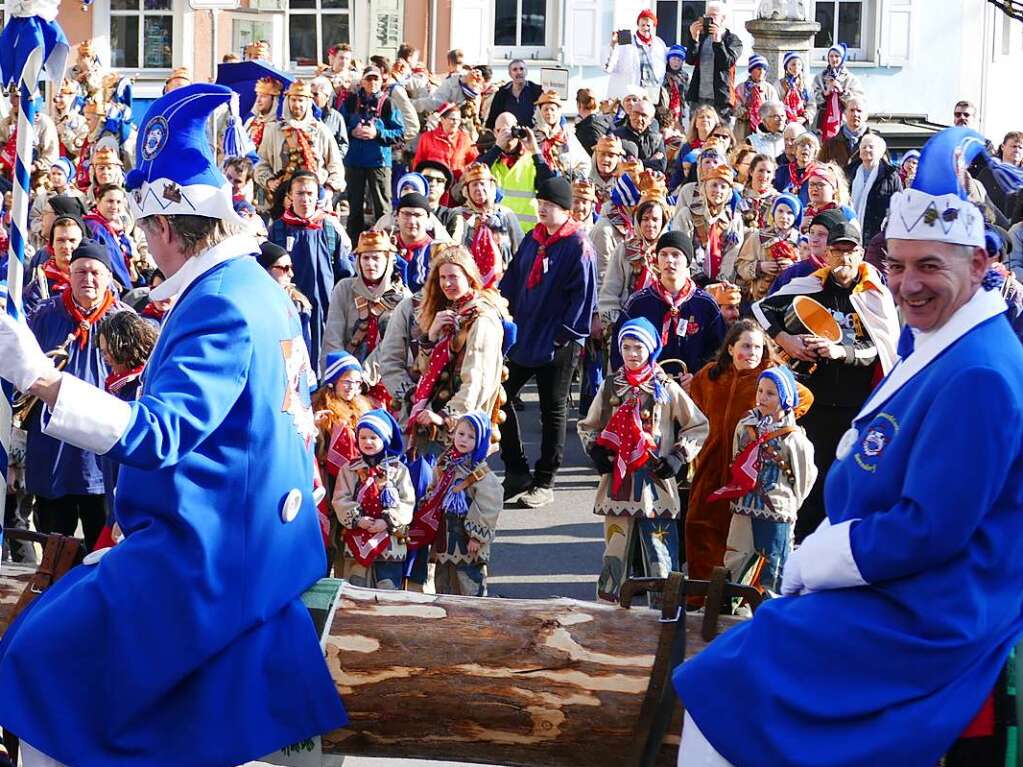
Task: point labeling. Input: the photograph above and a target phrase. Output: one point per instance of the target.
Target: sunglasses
(436, 179)
(963, 114)
(289, 269)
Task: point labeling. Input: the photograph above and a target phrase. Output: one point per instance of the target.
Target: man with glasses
(840, 374)
(518, 96)
(439, 177)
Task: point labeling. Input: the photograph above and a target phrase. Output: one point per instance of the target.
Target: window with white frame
(523, 27)
(844, 21)
(141, 34)
(313, 27)
(674, 18)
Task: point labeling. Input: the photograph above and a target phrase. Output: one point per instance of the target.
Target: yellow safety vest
(517, 185)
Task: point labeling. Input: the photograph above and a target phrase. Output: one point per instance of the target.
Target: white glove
(22, 362)
(824, 561)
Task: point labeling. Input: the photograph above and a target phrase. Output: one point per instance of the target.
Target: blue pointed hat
(480, 423)
(382, 423)
(175, 171)
(936, 208)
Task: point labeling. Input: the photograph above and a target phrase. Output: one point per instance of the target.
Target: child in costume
(373, 501)
(832, 89)
(752, 94)
(768, 252)
(338, 403)
(772, 474)
(457, 516)
(799, 106)
(640, 430)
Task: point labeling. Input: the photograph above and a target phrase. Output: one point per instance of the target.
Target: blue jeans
(772, 541)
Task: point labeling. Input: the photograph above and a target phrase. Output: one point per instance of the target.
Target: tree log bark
(545, 682)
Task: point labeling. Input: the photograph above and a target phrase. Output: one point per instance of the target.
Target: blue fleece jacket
(371, 153)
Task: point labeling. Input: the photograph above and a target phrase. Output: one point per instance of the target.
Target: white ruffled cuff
(86, 417)
(828, 563)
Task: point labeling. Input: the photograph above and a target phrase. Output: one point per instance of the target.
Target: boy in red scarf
(640, 431)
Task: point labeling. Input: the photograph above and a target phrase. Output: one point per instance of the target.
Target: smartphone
(625, 37)
(706, 25)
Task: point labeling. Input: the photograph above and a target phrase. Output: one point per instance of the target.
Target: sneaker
(516, 484)
(536, 497)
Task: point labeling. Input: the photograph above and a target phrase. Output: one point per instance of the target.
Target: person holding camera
(518, 166)
(637, 58)
(713, 59)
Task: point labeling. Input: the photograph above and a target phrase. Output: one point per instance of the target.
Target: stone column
(773, 38)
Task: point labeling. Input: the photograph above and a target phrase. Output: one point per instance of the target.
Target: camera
(519, 132)
(707, 20)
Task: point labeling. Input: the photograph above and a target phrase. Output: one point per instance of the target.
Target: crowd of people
(702, 260)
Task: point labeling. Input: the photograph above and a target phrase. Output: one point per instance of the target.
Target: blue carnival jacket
(188, 642)
(892, 672)
(556, 311)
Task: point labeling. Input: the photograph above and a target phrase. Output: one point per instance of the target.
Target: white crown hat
(936, 208)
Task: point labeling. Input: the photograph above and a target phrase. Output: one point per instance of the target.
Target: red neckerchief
(439, 359)
(624, 433)
(756, 100)
(362, 544)
(117, 381)
(712, 247)
(256, 129)
(150, 310)
(82, 169)
(797, 179)
(429, 511)
(795, 106)
(486, 253)
(60, 281)
(114, 227)
(669, 323)
(343, 448)
(674, 98)
(84, 323)
(314, 222)
(645, 39)
(640, 252)
(9, 153)
(408, 251)
(509, 158)
(831, 119)
(546, 241)
(551, 147)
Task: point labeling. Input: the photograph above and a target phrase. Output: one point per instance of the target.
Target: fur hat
(373, 240)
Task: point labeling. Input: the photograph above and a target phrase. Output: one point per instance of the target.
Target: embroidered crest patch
(878, 436)
(156, 138)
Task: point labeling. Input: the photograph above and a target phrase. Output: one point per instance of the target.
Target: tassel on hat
(236, 141)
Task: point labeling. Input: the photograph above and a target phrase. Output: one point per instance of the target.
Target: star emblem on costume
(296, 365)
(660, 533)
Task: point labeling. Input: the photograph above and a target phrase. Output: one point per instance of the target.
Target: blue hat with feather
(175, 171)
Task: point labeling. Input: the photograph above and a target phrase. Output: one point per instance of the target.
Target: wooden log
(545, 682)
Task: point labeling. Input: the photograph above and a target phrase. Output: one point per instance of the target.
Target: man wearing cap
(53, 276)
(67, 481)
(839, 374)
(688, 318)
(551, 292)
(517, 96)
(490, 231)
(641, 130)
(374, 126)
(447, 143)
(299, 142)
(320, 250)
(413, 240)
(439, 179)
(640, 63)
(198, 608)
(519, 167)
(892, 615)
(561, 149)
(584, 204)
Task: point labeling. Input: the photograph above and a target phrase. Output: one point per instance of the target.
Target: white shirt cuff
(86, 417)
(829, 563)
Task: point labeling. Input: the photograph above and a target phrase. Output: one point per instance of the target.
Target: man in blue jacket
(551, 291)
(187, 642)
(374, 126)
(902, 607)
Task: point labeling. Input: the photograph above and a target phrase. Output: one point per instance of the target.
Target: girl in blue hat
(752, 94)
(457, 517)
(832, 89)
(640, 431)
(767, 498)
(373, 501)
(768, 252)
(671, 105)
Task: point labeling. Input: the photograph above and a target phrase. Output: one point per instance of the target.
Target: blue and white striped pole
(29, 100)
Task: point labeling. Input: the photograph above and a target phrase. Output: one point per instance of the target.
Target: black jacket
(726, 53)
(522, 108)
(650, 144)
(591, 128)
(887, 183)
